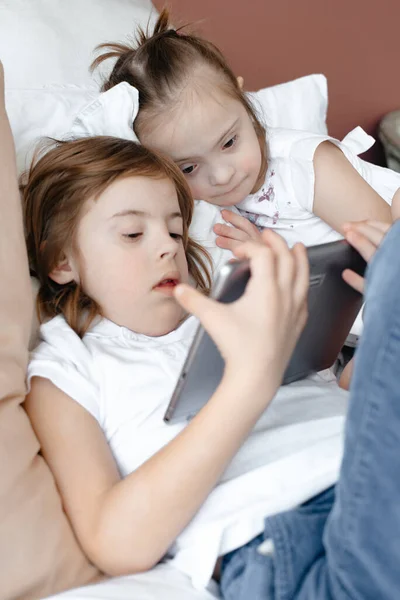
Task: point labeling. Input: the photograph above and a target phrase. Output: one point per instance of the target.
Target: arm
(16, 306)
(127, 525)
(341, 194)
(347, 374)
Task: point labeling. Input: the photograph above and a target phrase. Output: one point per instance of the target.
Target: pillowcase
(38, 113)
(299, 104)
(51, 42)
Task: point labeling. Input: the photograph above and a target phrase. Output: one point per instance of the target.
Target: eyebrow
(142, 213)
(232, 126)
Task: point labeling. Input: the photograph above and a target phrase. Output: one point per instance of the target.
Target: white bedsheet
(161, 583)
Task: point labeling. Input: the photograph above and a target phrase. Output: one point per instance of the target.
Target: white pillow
(35, 114)
(47, 42)
(47, 46)
(299, 104)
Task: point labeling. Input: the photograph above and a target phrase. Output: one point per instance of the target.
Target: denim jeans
(345, 543)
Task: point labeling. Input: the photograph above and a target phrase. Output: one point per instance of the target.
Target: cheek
(251, 158)
(117, 283)
(198, 186)
(124, 273)
(97, 276)
(104, 269)
(183, 266)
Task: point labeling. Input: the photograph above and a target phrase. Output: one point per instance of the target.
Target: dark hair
(57, 186)
(158, 65)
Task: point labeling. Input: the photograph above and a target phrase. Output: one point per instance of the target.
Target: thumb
(197, 304)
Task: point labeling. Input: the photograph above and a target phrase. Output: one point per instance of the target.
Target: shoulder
(59, 340)
(56, 326)
(291, 143)
(304, 156)
(327, 155)
(63, 358)
(291, 156)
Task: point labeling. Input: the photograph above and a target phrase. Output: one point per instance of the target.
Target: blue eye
(230, 142)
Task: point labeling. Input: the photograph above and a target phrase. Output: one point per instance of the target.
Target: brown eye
(231, 142)
(132, 236)
(188, 170)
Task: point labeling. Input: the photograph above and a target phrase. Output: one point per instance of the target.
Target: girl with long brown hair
(252, 495)
(107, 232)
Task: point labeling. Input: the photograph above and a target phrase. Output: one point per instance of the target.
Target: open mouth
(167, 284)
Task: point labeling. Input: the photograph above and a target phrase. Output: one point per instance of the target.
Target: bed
(46, 47)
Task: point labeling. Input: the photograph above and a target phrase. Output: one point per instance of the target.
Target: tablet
(332, 309)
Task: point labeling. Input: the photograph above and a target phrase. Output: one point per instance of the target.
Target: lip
(167, 283)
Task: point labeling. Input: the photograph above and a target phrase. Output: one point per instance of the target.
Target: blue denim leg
(245, 573)
(362, 534)
(297, 543)
(345, 545)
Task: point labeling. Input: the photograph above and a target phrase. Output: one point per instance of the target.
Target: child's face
(131, 254)
(212, 139)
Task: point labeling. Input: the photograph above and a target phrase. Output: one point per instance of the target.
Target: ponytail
(159, 64)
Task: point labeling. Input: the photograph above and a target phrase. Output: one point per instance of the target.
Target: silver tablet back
(332, 305)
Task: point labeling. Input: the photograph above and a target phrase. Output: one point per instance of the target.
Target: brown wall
(355, 43)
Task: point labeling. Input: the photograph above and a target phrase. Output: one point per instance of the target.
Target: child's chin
(169, 324)
(223, 202)
(243, 190)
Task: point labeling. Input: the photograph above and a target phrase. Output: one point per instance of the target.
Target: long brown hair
(159, 64)
(54, 192)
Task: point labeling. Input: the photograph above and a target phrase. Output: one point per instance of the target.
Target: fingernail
(179, 289)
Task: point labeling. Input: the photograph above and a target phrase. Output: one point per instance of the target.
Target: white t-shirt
(125, 380)
(285, 200)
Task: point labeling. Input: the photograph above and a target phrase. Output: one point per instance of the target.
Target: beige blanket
(38, 552)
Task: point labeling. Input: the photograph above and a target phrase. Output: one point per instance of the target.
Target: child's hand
(256, 334)
(365, 237)
(232, 237)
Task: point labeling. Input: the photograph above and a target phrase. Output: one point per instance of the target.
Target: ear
(63, 273)
(240, 81)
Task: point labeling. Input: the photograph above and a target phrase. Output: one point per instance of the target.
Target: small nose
(168, 246)
(221, 174)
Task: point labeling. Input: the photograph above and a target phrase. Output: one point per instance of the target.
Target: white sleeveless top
(285, 200)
